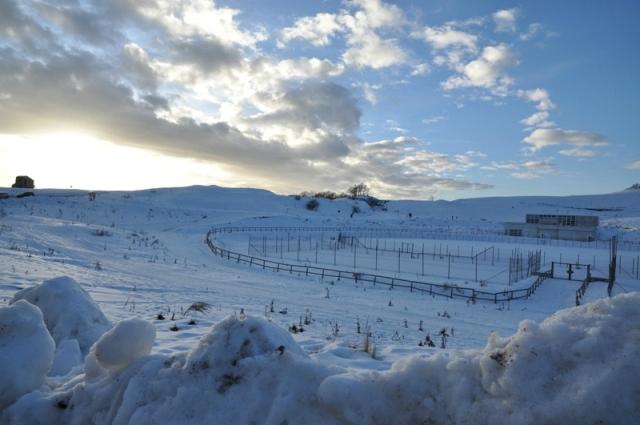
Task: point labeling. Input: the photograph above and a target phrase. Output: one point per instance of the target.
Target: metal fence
(467, 235)
(445, 290)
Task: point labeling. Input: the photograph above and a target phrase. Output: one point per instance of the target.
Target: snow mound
(67, 357)
(68, 310)
(127, 341)
(26, 350)
(241, 372)
(232, 340)
(580, 366)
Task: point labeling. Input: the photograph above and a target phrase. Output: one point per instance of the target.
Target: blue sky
(442, 99)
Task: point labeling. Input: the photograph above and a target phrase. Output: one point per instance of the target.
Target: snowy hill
(144, 272)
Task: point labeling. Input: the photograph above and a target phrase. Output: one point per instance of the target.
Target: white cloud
(544, 137)
(476, 154)
(538, 119)
(361, 23)
(495, 165)
(304, 68)
(378, 14)
(420, 69)
(530, 169)
(432, 120)
(318, 29)
(487, 71)
(531, 32)
(541, 96)
(374, 52)
(505, 20)
(633, 165)
(446, 36)
(578, 153)
(535, 168)
(366, 47)
(185, 18)
(369, 92)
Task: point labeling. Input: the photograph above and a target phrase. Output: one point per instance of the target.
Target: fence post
(355, 250)
(477, 269)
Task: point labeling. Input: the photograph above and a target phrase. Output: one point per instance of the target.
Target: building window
(515, 232)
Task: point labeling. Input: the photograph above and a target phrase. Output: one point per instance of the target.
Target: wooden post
(476, 269)
(355, 250)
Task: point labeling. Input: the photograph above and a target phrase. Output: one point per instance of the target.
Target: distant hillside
(633, 187)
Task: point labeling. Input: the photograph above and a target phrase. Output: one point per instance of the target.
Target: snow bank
(128, 340)
(232, 340)
(26, 351)
(242, 371)
(580, 366)
(68, 310)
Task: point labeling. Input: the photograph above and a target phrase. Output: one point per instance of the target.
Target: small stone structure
(24, 182)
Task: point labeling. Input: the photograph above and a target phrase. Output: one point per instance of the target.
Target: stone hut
(23, 182)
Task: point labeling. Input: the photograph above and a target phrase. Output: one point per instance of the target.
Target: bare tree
(360, 189)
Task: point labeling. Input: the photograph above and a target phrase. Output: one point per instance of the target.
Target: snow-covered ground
(141, 255)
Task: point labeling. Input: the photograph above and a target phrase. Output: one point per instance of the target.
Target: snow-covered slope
(142, 255)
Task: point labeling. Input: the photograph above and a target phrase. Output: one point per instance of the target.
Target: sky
(440, 99)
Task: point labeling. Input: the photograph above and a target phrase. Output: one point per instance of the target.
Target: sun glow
(64, 160)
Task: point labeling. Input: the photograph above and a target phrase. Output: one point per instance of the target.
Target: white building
(553, 226)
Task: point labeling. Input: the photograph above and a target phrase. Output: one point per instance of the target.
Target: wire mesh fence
(446, 290)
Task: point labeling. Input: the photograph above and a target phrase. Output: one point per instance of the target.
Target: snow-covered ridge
(619, 204)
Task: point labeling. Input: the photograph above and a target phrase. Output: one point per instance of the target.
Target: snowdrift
(579, 366)
(69, 311)
(26, 351)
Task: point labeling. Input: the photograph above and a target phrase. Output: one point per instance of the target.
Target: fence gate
(570, 271)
